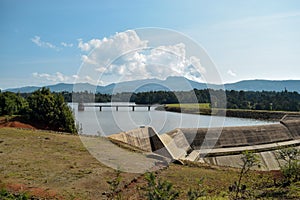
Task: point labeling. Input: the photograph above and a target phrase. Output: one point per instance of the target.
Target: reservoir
(108, 121)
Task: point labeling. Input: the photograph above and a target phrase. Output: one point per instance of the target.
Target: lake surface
(109, 121)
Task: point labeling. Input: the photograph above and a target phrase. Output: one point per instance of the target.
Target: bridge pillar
(80, 107)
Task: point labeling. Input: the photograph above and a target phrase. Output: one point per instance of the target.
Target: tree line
(41, 108)
(259, 100)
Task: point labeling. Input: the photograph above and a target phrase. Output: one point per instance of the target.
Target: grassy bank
(48, 165)
(204, 109)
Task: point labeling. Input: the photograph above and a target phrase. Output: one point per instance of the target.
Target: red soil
(16, 124)
(43, 193)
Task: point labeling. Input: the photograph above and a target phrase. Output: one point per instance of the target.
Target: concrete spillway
(225, 148)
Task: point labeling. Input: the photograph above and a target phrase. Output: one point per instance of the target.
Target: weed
(159, 190)
(114, 186)
(249, 160)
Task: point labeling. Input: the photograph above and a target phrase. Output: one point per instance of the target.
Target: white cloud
(64, 44)
(231, 73)
(59, 77)
(86, 59)
(37, 40)
(127, 57)
(56, 77)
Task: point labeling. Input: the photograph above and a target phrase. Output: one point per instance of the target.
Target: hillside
(172, 83)
(57, 166)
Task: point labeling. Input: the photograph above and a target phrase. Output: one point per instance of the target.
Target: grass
(190, 105)
(194, 108)
(54, 163)
(205, 109)
(48, 165)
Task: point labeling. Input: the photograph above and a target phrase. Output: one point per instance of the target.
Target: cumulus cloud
(37, 40)
(94, 43)
(127, 56)
(231, 73)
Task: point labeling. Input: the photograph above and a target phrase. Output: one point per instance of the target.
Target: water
(109, 121)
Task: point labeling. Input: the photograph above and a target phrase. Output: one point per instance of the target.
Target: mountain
(259, 85)
(60, 87)
(172, 83)
(27, 89)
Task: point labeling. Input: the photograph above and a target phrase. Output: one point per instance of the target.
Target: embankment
(219, 146)
(240, 113)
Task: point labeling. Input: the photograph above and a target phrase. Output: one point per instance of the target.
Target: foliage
(195, 194)
(291, 166)
(252, 100)
(50, 110)
(265, 100)
(159, 190)
(249, 160)
(114, 187)
(191, 105)
(6, 195)
(12, 104)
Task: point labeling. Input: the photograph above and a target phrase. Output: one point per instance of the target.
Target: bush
(114, 192)
(249, 160)
(195, 194)
(158, 190)
(12, 104)
(291, 166)
(51, 111)
(6, 195)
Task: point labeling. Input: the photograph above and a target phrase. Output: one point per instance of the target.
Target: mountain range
(172, 83)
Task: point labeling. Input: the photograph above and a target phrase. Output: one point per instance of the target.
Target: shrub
(50, 110)
(291, 166)
(159, 190)
(195, 194)
(249, 160)
(114, 187)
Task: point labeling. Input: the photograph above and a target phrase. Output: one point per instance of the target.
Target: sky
(47, 42)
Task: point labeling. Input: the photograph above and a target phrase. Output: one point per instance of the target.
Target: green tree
(12, 104)
(51, 111)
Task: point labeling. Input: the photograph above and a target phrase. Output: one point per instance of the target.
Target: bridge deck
(81, 107)
(117, 105)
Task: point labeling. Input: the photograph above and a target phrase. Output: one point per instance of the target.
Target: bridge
(82, 106)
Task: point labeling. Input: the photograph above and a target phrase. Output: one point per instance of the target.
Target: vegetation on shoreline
(265, 100)
(240, 113)
(42, 108)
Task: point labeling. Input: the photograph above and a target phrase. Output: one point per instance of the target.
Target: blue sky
(245, 39)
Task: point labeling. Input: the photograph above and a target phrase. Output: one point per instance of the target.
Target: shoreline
(238, 113)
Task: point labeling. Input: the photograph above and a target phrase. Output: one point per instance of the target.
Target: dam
(218, 147)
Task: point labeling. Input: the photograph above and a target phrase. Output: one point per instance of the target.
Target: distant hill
(266, 85)
(172, 83)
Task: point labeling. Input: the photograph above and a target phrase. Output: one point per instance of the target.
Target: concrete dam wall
(216, 146)
(239, 136)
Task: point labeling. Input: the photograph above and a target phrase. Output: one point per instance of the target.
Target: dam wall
(216, 145)
(291, 122)
(239, 136)
(144, 138)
